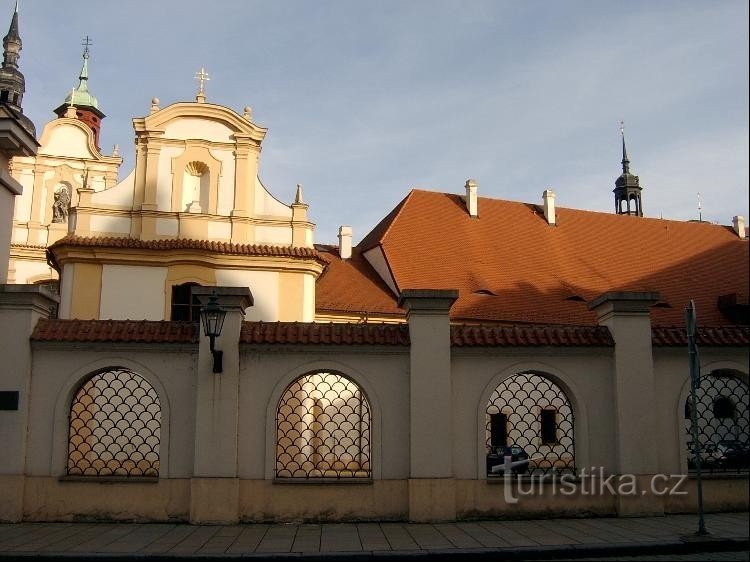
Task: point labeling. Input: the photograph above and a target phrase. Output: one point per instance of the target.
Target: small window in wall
(185, 305)
(548, 426)
(498, 430)
(724, 408)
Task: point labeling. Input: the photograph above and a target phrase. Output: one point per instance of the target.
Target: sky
(364, 101)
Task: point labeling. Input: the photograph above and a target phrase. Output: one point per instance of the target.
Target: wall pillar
(432, 492)
(214, 488)
(626, 314)
(21, 306)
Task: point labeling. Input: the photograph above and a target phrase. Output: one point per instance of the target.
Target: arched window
(115, 423)
(723, 424)
(530, 419)
(185, 305)
(323, 424)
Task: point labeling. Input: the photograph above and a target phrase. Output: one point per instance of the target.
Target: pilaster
(431, 425)
(626, 315)
(215, 484)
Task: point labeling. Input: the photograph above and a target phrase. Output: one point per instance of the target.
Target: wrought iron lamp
(212, 318)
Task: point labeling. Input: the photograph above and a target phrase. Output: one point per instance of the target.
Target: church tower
(84, 103)
(12, 83)
(627, 189)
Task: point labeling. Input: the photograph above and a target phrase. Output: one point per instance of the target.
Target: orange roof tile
(510, 266)
(188, 244)
(324, 333)
(730, 336)
(141, 331)
(524, 336)
(352, 286)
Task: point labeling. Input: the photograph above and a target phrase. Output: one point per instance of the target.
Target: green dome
(80, 96)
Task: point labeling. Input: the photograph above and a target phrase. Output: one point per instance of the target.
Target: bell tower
(627, 189)
(12, 82)
(84, 104)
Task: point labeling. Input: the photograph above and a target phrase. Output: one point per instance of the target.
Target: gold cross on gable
(202, 77)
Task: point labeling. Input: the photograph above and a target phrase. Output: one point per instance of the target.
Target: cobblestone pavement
(532, 539)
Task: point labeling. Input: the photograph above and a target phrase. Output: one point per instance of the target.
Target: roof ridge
(384, 225)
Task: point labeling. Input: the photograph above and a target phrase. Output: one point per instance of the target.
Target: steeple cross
(87, 42)
(202, 77)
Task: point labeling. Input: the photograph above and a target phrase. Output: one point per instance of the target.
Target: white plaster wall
(67, 140)
(378, 262)
(167, 227)
(164, 181)
(267, 204)
(264, 285)
(60, 369)
(308, 307)
(26, 270)
(66, 290)
(20, 235)
(225, 202)
(119, 195)
(105, 224)
(278, 235)
(195, 128)
(382, 373)
(23, 201)
(219, 230)
(132, 292)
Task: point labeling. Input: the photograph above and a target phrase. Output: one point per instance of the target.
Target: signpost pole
(694, 385)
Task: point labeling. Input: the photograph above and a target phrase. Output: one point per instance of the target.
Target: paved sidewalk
(475, 540)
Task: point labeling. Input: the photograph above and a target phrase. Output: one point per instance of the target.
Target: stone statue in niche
(61, 205)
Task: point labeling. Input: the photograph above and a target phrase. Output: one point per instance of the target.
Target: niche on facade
(195, 186)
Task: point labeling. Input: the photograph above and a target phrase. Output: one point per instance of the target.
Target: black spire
(627, 189)
(12, 82)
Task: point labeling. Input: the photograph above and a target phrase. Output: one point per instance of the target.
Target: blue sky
(365, 100)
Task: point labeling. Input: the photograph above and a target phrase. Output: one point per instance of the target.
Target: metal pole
(694, 385)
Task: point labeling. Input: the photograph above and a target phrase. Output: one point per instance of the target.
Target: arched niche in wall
(195, 169)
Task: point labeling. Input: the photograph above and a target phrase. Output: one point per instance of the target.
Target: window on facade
(498, 430)
(722, 422)
(724, 407)
(185, 305)
(545, 440)
(548, 426)
(115, 425)
(323, 426)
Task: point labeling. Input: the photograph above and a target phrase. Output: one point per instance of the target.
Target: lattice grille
(115, 422)
(531, 412)
(323, 429)
(723, 424)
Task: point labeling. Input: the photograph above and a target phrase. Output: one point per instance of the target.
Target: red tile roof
(147, 331)
(511, 267)
(352, 287)
(523, 336)
(141, 331)
(324, 333)
(728, 336)
(188, 244)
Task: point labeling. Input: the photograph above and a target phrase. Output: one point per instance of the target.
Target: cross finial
(625, 161)
(202, 76)
(87, 42)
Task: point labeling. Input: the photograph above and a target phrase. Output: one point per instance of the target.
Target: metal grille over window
(115, 422)
(323, 427)
(723, 424)
(529, 418)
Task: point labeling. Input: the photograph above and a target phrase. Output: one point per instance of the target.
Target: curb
(688, 545)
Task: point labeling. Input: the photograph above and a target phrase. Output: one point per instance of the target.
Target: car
(518, 457)
(733, 454)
